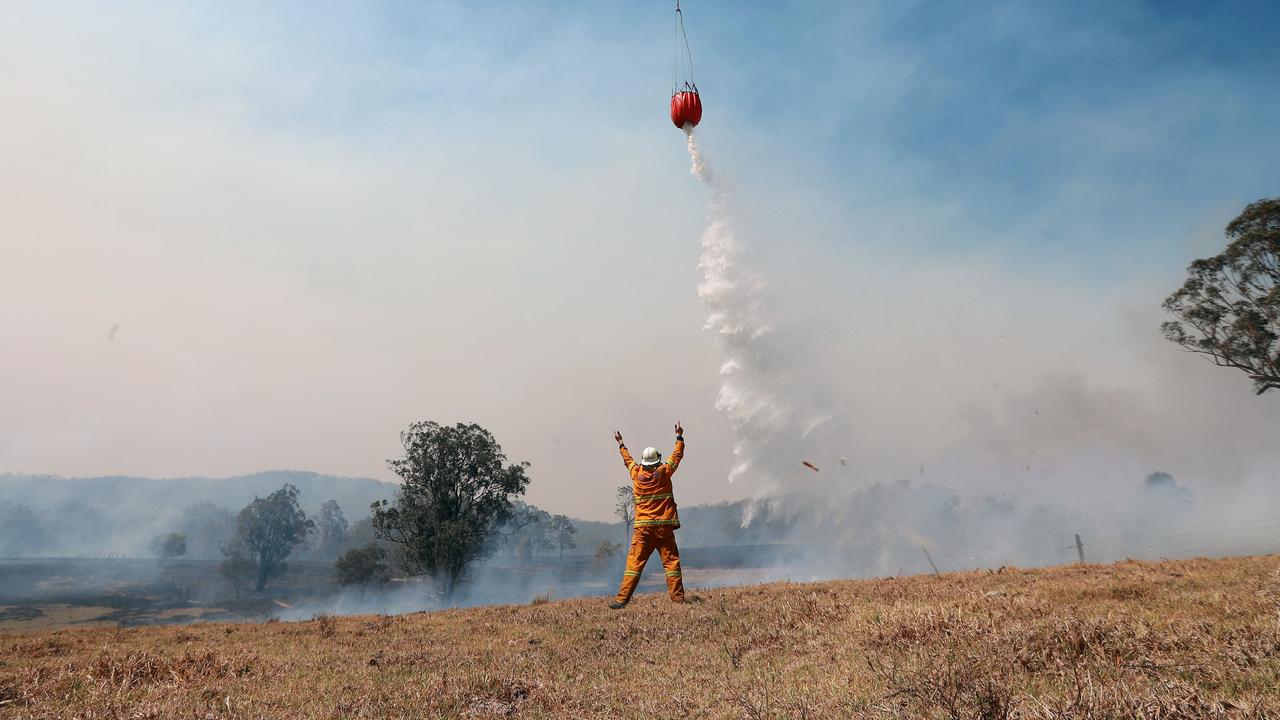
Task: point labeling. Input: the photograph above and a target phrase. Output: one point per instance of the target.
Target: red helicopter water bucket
(686, 107)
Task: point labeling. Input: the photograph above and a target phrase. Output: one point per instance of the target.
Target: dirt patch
(28, 617)
(503, 701)
(19, 613)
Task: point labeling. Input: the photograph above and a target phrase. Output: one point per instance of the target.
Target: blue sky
(1096, 130)
(1077, 124)
(315, 223)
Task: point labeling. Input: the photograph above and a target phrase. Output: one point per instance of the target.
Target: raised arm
(677, 453)
(622, 448)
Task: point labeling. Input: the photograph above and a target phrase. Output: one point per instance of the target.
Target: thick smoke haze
(1039, 404)
(43, 516)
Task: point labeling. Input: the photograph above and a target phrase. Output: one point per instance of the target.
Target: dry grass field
(1174, 639)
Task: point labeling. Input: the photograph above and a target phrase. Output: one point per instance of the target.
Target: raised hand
(617, 436)
(679, 429)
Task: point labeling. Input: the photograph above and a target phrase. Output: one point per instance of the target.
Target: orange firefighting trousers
(644, 540)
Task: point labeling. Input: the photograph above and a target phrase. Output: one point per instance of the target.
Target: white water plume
(755, 378)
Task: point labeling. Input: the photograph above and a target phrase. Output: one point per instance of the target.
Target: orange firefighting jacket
(655, 505)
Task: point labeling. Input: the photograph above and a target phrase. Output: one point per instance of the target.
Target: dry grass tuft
(134, 668)
(326, 625)
(50, 647)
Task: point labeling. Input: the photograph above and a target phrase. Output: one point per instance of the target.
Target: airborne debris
(282, 603)
(809, 465)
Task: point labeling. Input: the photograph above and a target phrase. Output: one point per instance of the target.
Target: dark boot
(615, 605)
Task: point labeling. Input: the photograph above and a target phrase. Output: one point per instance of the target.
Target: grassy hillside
(1174, 639)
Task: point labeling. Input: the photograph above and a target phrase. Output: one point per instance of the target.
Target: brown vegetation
(1175, 639)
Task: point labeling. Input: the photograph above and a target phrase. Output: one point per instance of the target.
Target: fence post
(1079, 548)
(926, 557)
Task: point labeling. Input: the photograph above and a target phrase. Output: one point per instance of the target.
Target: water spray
(750, 394)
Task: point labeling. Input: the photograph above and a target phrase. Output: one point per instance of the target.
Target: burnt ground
(64, 592)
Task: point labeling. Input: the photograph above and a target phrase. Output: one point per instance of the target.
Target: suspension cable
(687, 51)
(675, 55)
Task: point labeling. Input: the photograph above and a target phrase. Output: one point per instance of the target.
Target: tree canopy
(332, 530)
(363, 567)
(624, 507)
(457, 490)
(525, 532)
(169, 545)
(269, 527)
(562, 530)
(1229, 308)
(208, 528)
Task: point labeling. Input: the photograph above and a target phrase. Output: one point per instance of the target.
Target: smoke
(1039, 419)
(758, 393)
(48, 516)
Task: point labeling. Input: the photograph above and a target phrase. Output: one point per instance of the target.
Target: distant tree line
(529, 532)
(65, 529)
(458, 503)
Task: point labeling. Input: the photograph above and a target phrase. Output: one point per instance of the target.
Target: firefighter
(656, 518)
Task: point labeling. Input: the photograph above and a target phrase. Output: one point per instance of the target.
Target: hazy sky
(311, 224)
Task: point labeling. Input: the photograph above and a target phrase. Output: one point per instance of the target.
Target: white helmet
(650, 457)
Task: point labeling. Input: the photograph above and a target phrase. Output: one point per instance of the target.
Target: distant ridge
(44, 492)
